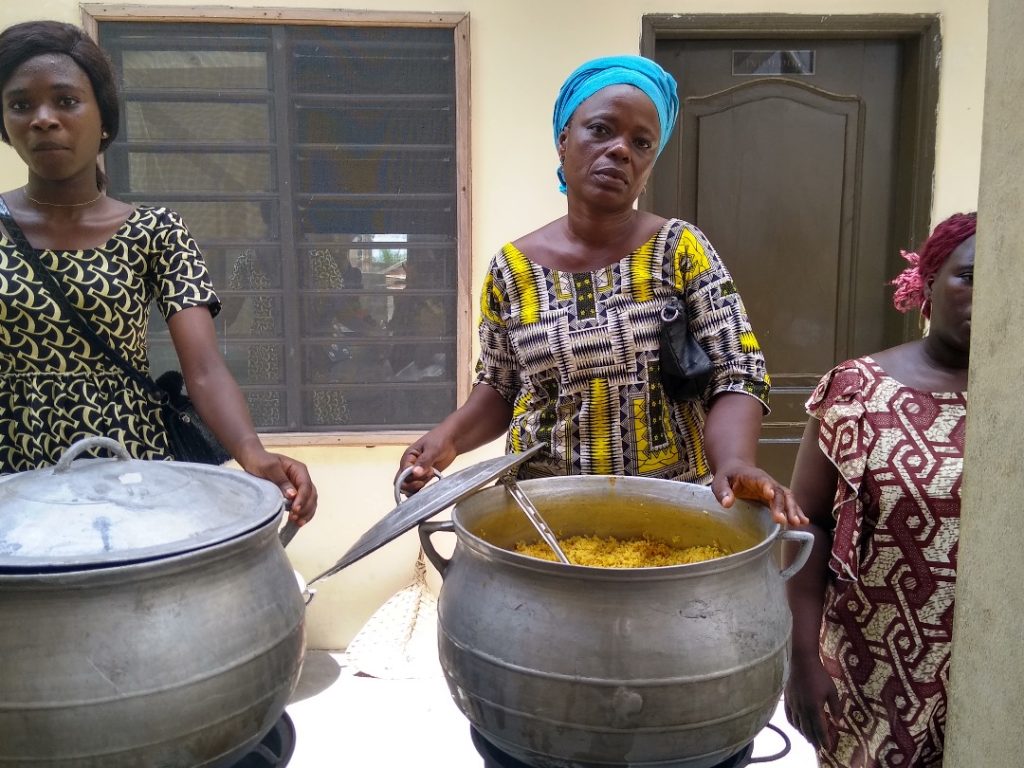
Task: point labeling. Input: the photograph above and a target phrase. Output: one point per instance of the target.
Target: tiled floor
(345, 720)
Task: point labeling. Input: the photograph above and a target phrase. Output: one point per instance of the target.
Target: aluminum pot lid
(100, 512)
(427, 502)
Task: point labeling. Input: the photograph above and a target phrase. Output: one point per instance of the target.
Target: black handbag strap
(52, 285)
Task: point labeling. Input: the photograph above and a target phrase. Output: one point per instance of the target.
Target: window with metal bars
(319, 169)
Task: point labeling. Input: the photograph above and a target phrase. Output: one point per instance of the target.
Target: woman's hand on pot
(484, 416)
(746, 481)
(808, 691)
(291, 476)
(431, 452)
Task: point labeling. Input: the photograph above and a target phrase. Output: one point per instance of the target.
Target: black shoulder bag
(189, 438)
(685, 366)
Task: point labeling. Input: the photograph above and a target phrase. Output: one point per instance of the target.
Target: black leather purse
(189, 438)
(685, 366)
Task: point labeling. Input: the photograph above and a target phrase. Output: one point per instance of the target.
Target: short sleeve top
(54, 387)
(576, 355)
(899, 452)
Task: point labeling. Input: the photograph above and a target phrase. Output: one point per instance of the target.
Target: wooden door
(787, 157)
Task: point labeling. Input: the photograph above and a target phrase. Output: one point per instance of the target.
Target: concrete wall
(521, 51)
(987, 676)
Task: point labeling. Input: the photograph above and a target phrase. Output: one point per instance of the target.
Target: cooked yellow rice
(625, 553)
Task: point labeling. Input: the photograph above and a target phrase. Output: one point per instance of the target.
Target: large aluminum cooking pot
(150, 617)
(568, 666)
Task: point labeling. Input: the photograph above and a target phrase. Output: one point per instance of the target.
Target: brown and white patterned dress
(885, 635)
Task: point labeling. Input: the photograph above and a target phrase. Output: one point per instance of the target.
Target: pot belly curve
(177, 663)
(567, 672)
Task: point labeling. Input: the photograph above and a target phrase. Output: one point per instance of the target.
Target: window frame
(458, 23)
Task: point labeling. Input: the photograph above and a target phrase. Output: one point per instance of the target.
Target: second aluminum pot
(151, 618)
(564, 666)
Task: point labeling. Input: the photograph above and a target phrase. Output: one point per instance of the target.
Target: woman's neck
(585, 240)
(944, 357)
(599, 228)
(914, 365)
(70, 195)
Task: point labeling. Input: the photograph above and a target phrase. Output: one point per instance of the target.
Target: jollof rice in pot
(610, 552)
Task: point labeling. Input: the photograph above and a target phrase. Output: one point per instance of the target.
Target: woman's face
(951, 292)
(52, 118)
(609, 145)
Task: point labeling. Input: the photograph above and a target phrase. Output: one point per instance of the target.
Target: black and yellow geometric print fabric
(576, 356)
(54, 387)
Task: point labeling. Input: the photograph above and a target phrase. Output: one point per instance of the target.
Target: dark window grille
(316, 167)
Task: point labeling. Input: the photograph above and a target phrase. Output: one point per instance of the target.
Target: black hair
(25, 41)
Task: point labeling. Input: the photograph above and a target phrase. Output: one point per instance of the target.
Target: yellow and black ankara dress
(54, 387)
(576, 355)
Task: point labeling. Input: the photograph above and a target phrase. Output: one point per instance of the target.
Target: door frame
(920, 36)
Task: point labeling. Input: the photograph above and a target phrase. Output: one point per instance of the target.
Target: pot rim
(700, 493)
(93, 513)
(146, 568)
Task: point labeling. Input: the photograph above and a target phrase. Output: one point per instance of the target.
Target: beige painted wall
(521, 51)
(987, 669)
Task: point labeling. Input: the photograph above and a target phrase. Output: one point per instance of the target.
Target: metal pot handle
(287, 533)
(806, 539)
(402, 476)
(426, 530)
(76, 449)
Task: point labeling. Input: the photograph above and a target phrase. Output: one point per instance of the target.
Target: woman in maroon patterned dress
(879, 475)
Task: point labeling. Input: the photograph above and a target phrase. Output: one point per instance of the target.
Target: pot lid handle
(85, 444)
(426, 503)
(403, 476)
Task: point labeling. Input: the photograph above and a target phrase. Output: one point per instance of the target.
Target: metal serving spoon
(534, 516)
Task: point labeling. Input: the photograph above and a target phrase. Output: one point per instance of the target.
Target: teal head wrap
(596, 74)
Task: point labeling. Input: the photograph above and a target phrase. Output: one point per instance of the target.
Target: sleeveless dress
(888, 618)
(576, 355)
(55, 388)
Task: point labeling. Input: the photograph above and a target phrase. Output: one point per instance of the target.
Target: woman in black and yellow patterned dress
(570, 319)
(60, 110)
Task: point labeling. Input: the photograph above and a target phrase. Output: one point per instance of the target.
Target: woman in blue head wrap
(589, 78)
(571, 313)
(570, 318)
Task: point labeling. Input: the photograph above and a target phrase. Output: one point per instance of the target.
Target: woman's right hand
(483, 417)
(433, 451)
(809, 689)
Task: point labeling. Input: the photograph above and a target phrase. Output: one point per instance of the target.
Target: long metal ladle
(534, 516)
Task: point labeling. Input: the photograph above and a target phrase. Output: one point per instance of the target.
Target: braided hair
(928, 260)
